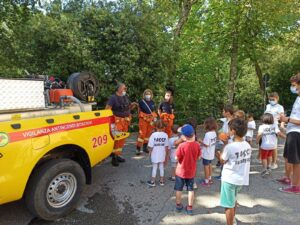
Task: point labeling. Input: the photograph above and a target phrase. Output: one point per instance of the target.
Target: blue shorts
(206, 162)
(229, 194)
(180, 182)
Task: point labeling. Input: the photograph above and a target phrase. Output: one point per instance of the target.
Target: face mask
(123, 93)
(167, 98)
(272, 102)
(148, 97)
(294, 90)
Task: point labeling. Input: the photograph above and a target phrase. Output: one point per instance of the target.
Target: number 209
(98, 141)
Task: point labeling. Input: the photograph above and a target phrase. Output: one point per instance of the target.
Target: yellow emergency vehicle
(47, 153)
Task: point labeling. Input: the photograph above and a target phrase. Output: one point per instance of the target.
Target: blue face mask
(272, 102)
(294, 90)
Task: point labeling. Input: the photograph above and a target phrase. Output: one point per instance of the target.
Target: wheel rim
(61, 190)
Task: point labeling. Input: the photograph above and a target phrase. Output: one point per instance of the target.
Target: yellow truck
(47, 153)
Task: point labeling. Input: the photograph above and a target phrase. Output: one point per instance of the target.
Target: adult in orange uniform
(166, 112)
(147, 116)
(120, 104)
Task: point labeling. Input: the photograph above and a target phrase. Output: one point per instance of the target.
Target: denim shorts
(206, 162)
(180, 182)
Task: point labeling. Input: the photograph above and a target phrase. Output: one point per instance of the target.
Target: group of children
(231, 145)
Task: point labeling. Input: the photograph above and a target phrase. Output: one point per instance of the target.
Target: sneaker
(161, 183)
(179, 208)
(137, 152)
(284, 180)
(195, 187)
(265, 172)
(151, 183)
(204, 184)
(171, 178)
(291, 190)
(274, 166)
(189, 211)
(218, 177)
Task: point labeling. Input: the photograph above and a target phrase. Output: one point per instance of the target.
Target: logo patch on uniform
(4, 139)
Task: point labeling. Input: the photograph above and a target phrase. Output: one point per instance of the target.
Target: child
(209, 143)
(251, 128)
(158, 149)
(239, 114)
(228, 113)
(187, 155)
(267, 133)
(276, 110)
(172, 150)
(235, 174)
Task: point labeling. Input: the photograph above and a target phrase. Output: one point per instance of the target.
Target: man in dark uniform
(120, 104)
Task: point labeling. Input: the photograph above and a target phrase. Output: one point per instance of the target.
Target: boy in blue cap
(187, 155)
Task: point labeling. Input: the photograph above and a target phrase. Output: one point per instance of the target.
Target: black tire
(79, 82)
(39, 190)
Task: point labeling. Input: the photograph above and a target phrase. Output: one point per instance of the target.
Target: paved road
(120, 196)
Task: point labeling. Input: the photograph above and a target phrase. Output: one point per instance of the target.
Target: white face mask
(167, 98)
(294, 90)
(123, 93)
(148, 97)
(272, 102)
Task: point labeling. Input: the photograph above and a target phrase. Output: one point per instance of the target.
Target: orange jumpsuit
(122, 125)
(168, 120)
(145, 127)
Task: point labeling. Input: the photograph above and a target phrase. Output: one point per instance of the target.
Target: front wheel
(54, 189)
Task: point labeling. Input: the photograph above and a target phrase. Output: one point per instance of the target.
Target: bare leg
(210, 171)
(206, 172)
(178, 197)
(173, 172)
(288, 169)
(296, 175)
(269, 161)
(264, 163)
(274, 156)
(229, 215)
(191, 196)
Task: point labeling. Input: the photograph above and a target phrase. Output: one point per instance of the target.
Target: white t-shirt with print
(210, 140)
(295, 114)
(173, 148)
(158, 141)
(275, 110)
(269, 136)
(237, 167)
(251, 128)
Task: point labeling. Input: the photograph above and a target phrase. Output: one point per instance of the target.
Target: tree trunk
(185, 7)
(259, 75)
(233, 67)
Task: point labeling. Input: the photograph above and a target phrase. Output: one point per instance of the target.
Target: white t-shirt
(225, 127)
(173, 148)
(210, 140)
(269, 138)
(251, 126)
(275, 110)
(295, 114)
(158, 141)
(236, 169)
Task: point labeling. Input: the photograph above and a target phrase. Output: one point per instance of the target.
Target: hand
(283, 118)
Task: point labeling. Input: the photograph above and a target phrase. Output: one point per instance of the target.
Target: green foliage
(133, 42)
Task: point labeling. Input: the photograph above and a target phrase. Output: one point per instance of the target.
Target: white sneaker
(274, 166)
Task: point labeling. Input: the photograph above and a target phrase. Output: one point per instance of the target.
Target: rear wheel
(54, 189)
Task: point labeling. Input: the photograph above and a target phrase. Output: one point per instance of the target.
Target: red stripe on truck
(38, 132)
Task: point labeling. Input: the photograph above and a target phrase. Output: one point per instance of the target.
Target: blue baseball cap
(187, 130)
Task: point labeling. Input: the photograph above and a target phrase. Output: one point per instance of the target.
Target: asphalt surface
(120, 196)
